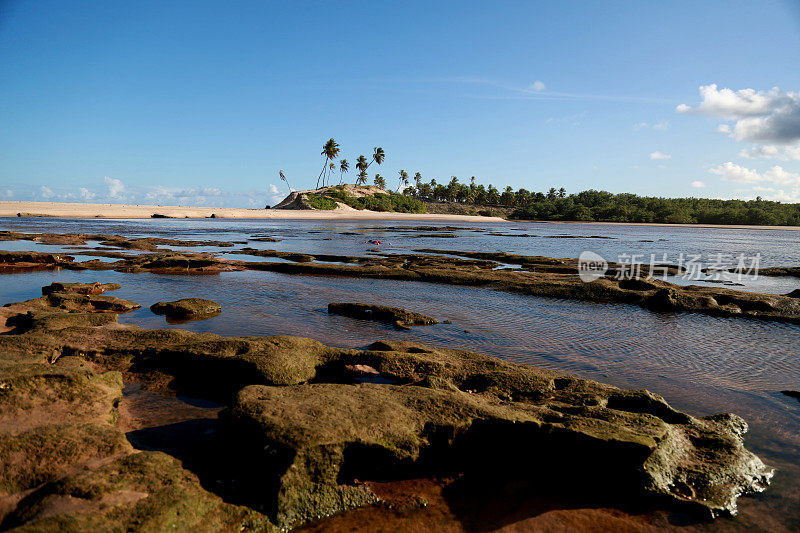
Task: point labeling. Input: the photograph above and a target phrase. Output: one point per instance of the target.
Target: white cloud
(46, 192)
(698, 184)
(724, 128)
(772, 151)
(275, 194)
(8, 193)
(84, 193)
(778, 184)
(115, 187)
(761, 116)
(538, 86)
(201, 192)
(658, 126)
(732, 172)
(735, 104)
(659, 156)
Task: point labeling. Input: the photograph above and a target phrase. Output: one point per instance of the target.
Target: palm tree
(331, 168)
(378, 155)
(344, 166)
(330, 150)
(562, 192)
(380, 181)
(417, 180)
(283, 178)
(362, 177)
(361, 166)
(403, 179)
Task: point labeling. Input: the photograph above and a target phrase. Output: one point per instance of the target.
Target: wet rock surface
(305, 434)
(380, 313)
(187, 308)
(532, 275)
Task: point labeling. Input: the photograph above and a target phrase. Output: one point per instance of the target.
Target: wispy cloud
(659, 156)
(536, 90)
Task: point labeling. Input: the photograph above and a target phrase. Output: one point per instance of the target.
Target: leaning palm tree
(330, 150)
(378, 155)
(283, 178)
(362, 178)
(380, 181)
(331, 169)
(361, 166)
(403, 180)
(344, 166)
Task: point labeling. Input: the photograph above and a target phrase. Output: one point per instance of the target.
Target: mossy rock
(80, 288)
(147, 492)
(394, 315)
(41, 454)
(186, 308)
(437, 410)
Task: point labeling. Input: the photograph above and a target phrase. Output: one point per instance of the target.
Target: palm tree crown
(344, 166)
(378, 155)
(331, 151)
(362, 164)
(403, 179)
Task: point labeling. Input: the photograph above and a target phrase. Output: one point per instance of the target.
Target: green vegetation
(607, 207)
(318, 201)
(603, 206)
(555, 204)
(401, 203)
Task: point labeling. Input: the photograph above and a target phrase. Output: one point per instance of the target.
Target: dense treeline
(585, 206)
(603, 206)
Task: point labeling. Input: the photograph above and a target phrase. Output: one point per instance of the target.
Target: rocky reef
(531, 275)
(401, 318)
(303, 433)
(187, 308)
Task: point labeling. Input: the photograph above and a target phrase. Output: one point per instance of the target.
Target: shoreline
(664, 224)
(86, 210)
(13, 209)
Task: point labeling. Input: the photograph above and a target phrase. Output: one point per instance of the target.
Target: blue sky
(201, 102)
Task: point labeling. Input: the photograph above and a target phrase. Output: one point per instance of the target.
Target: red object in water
(375, 242)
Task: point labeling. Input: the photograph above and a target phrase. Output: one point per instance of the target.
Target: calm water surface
(701, 364)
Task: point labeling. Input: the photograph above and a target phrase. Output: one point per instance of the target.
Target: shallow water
(701, 364)
(775, 247)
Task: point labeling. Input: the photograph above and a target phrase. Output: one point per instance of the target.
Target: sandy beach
(84, 210)
(77, 210)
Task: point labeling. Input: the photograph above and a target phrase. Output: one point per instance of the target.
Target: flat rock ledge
(520, 274)
(380, 313)
(187, 308)
(307, 434)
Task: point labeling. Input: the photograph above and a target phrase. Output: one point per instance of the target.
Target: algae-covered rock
(80, 288)
(381, 313)
(311, 423)
(52, 418)
(313, 443)
(186, 307)
(72, 301)
(147, 491)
